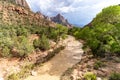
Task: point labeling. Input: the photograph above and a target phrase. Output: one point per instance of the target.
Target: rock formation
(22, 3)
(60, 20)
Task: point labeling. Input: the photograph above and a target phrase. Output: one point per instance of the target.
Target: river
(54, 68)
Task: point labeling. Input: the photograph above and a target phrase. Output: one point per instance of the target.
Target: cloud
(54, 6)
(76, 11)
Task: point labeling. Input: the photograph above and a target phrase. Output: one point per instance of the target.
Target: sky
(78, 12)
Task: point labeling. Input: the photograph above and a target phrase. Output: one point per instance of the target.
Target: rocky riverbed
(54, 68)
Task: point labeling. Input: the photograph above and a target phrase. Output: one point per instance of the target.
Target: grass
(24, 72)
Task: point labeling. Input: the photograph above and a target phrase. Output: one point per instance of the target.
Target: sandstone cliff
(22, 3)
(17, 15)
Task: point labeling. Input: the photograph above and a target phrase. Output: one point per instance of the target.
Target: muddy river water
(54, 68)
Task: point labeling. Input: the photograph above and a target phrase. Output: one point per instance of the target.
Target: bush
(23, 46)
(42, 43)
(74, 30)
(115, 76)
(36, 43)
(98, 64)
(58, 32)
(90, 76)
(14, 41)
(21, 31)
(5, 52)
(13, 77)
(53, 33)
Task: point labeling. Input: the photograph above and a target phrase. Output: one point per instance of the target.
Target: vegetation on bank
(17, 24)
(90, 76)
(14, 41)
(102, 34)
(115, 76)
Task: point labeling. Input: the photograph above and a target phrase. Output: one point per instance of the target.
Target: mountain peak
(60, 17)
(60, 20)
(59, 14)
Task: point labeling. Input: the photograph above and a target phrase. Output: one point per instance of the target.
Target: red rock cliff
(22, 3)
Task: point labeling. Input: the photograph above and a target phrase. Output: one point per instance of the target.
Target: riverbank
(101, 67)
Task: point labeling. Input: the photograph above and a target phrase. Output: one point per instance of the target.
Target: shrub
(13, 77)
(23, 46)
(42, 43)
(14, 37)
(115, 76)
(21, 31)
(62, 30)
(98, 64)
(53, 33)
(36, 43)
(24, 72)
(73, 30)
(5, 52)
(58, 32)
(90, 76)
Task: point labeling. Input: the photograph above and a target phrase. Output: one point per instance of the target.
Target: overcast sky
(78, 12)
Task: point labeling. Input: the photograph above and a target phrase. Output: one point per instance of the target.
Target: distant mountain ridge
(25, 14)
(60, 20)
(57, 19)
